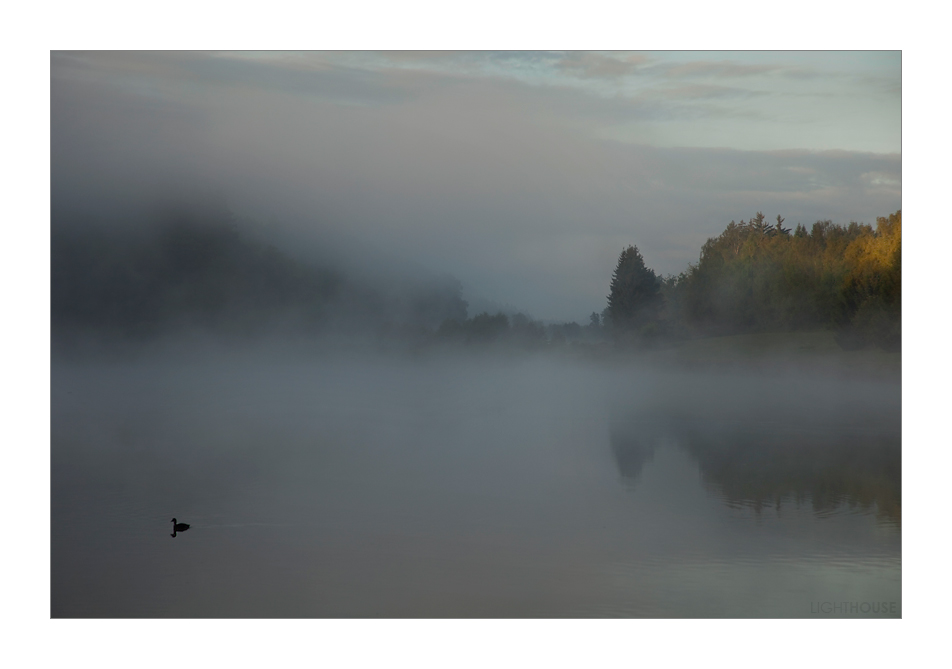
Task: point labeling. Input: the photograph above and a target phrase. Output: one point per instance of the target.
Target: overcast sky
(522, 174)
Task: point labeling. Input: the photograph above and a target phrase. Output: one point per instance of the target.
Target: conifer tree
(635, 296)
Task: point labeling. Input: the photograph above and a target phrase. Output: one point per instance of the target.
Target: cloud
(702, 92)
(721, 69)
(599, 66)
(725, 69)
(802, 73)
(193, 77)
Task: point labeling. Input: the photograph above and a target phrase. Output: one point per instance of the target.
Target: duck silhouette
(178, 527)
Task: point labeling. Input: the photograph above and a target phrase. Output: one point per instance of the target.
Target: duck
(178, 527)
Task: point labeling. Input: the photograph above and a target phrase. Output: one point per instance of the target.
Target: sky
(523, 174)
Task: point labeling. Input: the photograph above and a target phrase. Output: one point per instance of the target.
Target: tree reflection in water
(771, 461)
(632, 448)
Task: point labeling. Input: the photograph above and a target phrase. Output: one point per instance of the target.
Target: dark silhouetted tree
(635, 296)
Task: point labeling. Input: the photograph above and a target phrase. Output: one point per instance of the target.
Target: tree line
(199, 271)
(763, 277)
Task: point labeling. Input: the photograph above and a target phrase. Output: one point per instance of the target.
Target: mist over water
(488, 485)
(352, 318)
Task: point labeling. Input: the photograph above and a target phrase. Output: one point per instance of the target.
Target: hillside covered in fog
(195, 270)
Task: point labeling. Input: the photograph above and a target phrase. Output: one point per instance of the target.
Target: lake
(477, 486)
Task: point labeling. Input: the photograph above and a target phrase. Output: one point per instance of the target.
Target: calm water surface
(520, 487)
